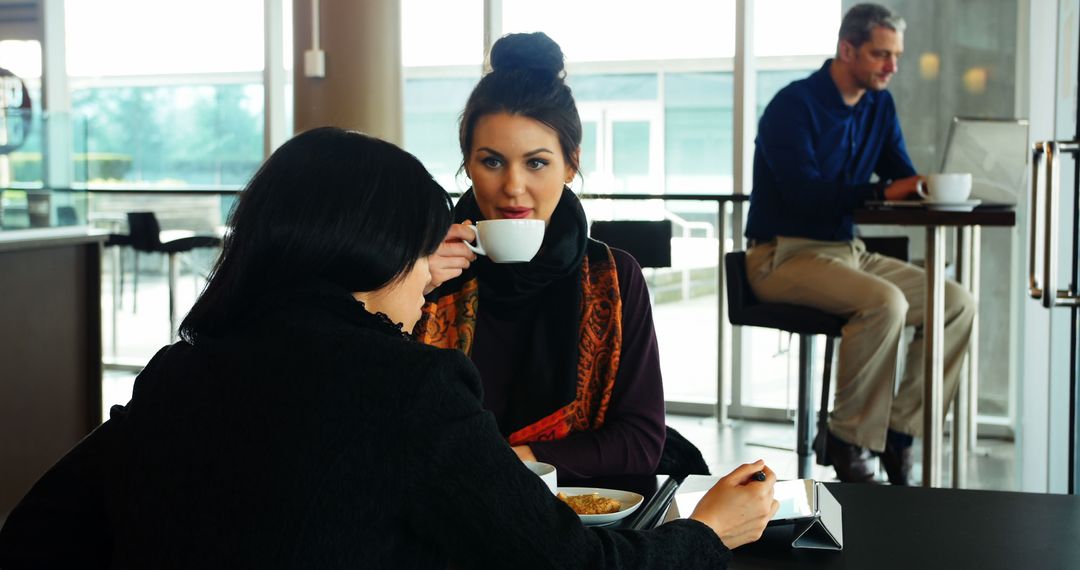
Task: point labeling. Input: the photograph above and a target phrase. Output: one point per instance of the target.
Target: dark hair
(329, 204)
(859, 23)
(526, 78)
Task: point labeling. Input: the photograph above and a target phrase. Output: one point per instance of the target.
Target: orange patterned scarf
(450, 322)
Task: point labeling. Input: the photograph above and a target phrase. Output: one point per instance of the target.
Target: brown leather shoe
(898, 458)
(848, 460)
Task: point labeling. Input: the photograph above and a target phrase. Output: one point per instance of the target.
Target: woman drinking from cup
(297, 426)
(564, 343)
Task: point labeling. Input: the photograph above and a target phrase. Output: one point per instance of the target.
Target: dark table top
(917, 216)
(912, 527)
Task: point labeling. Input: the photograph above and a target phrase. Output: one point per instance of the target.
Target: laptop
(994, 151)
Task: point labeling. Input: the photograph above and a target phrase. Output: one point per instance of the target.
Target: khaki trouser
(878, 295)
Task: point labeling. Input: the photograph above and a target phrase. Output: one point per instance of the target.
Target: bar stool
(146, 236)
(744, 309)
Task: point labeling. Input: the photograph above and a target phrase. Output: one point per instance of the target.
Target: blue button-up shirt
(814, 157)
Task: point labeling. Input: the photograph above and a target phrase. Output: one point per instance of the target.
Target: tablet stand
(824, 530)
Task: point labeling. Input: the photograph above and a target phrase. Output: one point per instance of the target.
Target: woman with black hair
(565, 343)
(297, 425)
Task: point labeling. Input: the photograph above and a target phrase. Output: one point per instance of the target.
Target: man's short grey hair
(861, 19)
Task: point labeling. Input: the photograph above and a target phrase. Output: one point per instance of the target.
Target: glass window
(173, 135)
(432, 108)
(795, 27)
(438, 33)
(588, 147)
(698, 132)
(615, 87)
(24, 142)
(20, 133)
(160, 108)
(136, 37)
(21, 57)
(630, 143)
(620, 30)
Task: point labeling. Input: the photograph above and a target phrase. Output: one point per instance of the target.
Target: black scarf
(547, 293)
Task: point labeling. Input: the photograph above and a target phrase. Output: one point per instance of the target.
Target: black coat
(316, 437)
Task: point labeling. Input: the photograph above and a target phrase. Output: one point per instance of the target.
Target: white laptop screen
(995, 152)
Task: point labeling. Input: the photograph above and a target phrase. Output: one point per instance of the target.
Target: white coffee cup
(546, 472)
(945, 188)
(508, 241)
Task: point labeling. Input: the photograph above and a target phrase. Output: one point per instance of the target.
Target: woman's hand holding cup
(739, 506)
(451, 258)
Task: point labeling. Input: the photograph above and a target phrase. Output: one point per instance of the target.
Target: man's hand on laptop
(903, 188)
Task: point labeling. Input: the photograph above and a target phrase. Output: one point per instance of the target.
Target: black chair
(648, 241)
(650, 244)
(145, 235)
(745, 310)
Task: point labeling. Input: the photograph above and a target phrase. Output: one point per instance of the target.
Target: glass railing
(41, 157)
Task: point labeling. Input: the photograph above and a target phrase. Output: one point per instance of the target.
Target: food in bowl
(591, 504)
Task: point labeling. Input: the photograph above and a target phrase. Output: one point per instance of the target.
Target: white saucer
(965, 206)
(629, 501)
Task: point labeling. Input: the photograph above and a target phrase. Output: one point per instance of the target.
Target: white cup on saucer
(508, 241)
(949, 188)
(546, 472)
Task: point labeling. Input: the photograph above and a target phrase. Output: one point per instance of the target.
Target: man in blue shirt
(820, 141)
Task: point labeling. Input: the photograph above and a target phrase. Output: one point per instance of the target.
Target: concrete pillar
(363, 87)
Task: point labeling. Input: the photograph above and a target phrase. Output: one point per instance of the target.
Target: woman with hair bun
(565, 343)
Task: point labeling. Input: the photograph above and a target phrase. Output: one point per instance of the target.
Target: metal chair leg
(806, 404)
(823, 411)
(173, 274)
(117, 297)
(135, 285)
(120, 269)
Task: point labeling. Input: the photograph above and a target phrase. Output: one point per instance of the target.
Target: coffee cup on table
(951, 188)
(546, 473)
(507, 241)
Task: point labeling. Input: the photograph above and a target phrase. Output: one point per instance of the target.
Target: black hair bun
(535, 52)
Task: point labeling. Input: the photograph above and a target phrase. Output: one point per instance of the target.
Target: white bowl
(546, 472)
(628, 503)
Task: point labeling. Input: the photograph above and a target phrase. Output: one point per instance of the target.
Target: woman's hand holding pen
(740, 504)
(451, 258)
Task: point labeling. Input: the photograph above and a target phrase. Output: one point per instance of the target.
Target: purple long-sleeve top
(632, 437)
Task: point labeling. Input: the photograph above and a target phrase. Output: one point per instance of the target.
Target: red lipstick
(515, 212)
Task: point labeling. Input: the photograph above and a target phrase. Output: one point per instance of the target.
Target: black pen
(759, 476)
